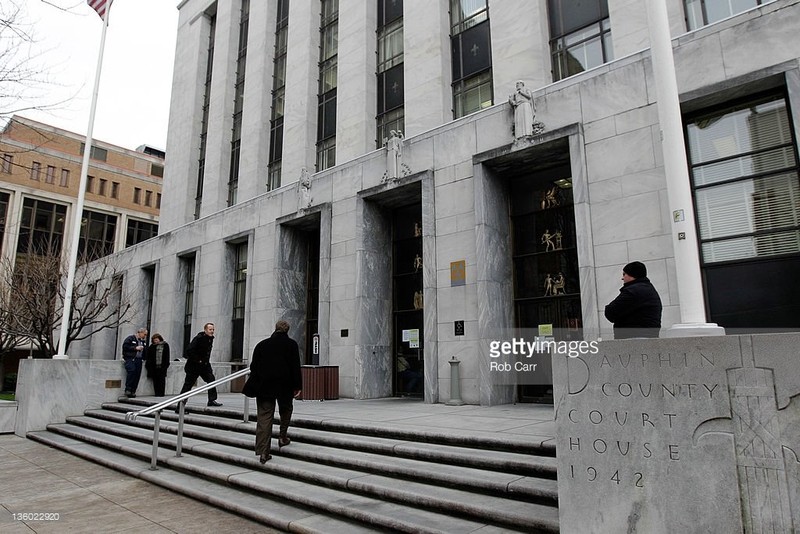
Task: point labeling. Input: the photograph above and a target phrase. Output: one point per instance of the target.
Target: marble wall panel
(634, 152)
(455, 144)
(598, 102)
(640, 219)
(8, 416)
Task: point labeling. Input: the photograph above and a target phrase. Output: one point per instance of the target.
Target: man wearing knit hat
(636, 312)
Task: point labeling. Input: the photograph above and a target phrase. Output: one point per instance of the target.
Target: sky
(136, 79)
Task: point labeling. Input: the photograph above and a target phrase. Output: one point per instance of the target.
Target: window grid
(326, 113)
(36, 170)
(6, 163)
(64, 178)
(188, 300)
(238, 105)
(582, 50)
(41, 229)
(201, 163)
(50, 177)
(472, 94)
(745, 178)
(139, 231)
(98, 231)
(465, 14)
(278, 93)
(700, 13)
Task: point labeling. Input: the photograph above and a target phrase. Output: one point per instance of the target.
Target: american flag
(100, 6)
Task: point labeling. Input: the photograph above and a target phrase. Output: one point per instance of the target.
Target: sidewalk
(91, 498)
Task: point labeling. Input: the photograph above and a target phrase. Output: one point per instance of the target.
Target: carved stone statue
(394, 155)
(522, 103)
(558, 284)
(418, 304)
(548, 285)
(417, 263)
(547, 241)
(550, 198)
(304, 190)
(557, 238)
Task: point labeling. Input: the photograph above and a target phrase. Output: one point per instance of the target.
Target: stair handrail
(158, 407)
(131, 416)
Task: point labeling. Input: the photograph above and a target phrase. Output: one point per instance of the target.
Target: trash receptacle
(237, 384)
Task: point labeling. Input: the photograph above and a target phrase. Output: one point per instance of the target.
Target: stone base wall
(49, 391)
(680, 435)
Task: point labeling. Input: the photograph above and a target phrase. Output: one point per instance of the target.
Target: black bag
(251, 387)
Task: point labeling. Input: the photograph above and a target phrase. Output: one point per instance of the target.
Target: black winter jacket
(636, 312)
(276, 367)
(198, 354)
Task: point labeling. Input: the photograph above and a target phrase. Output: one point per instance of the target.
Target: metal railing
(157, 408)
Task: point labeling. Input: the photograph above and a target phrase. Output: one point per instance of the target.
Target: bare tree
(38, 286)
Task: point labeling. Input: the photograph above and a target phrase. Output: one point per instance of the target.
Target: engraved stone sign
(679, 435)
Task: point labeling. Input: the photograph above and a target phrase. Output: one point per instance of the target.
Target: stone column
(684, 235)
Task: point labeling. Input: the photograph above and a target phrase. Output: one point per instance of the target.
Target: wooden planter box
(320, 382)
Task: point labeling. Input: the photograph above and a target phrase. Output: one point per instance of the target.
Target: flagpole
(78, 212)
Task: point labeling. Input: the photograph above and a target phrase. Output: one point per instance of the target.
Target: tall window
(3, 213)
(188, 299)
(114, 189)
(149, 275)
(238, 105)
(137, 195)
(580, 36)
(6, 163)
(139, 231)
(89, 183)
(50, 177)
(391, 113)
(64, 178)
(702, 12)
(36, 170)
(239, 299)
(328, 66)
(278, 96)
(201, 165)
(101, 187)
(97, 235)
(471, 56)
(148, 197)
(41, 229)
(744, 172)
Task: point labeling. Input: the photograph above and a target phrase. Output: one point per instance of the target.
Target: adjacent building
(354, 167)
(40, 171)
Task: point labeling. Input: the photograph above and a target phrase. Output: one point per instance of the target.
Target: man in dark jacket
(198, 363)
(133, 348)
(636, 312)
(275, 368)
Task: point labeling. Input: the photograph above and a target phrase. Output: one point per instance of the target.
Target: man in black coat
(636, 312)
(275, 369)
(198, 363)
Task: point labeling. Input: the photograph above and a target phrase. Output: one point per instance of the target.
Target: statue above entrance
(304, 190)
(524, 108)
(395, 168)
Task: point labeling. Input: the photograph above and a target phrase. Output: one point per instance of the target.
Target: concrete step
(461, 439)
(382, 476)
(415, 493)
(273, 513)
(495, 473)
(242, 471)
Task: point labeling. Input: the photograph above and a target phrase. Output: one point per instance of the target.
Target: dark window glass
(390, 89)
(139, 231)
(389, 10)
(98, 231)
(41, 229)
(471, 51)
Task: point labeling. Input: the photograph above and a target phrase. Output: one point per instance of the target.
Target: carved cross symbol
(395, 85)
(757, 424)
(474, 50)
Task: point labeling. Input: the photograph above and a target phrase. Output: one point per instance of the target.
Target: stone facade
(602, 124)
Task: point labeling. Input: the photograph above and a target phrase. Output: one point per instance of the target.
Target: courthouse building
(291, 195)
